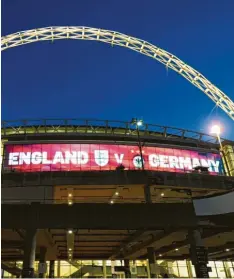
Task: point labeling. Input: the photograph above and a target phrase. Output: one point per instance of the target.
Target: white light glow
(70, 231)
(162, 194)
(139, 123)
(215, 129)
(116, 193)
(70, 195)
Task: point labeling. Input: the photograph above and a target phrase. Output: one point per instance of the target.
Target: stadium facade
(92, 198)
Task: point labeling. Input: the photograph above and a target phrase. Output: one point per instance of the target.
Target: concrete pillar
(29, 253)
(104, 268)
(127, 266)
(58, 269)
(152, 262)
(42, 262)
(51, 272)
(198, 254)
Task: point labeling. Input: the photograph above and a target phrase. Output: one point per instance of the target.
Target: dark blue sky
(82, 79)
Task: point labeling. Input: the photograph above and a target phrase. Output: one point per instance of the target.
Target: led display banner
(87, 157)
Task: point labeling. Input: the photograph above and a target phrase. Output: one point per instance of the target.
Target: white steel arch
(116, 38)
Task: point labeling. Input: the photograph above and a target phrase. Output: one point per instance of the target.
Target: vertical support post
(147, 193)
(42, 263)
(227, 270)
(198, 254)
(104, 268)
(51, 272)
(127, 266)
(58, 269)
(190, 273)
(147, 186)
(140, 148)
(148, 269)
(29, 253)
(152, 262)
(112, 269)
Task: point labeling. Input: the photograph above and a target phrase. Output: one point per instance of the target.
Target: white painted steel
(116, 38)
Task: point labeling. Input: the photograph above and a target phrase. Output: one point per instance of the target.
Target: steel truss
(99, 127)
(116, 38)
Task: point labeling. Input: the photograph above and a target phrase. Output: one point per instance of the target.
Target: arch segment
(116, 38)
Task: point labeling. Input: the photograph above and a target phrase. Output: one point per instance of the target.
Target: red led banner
(86, 157)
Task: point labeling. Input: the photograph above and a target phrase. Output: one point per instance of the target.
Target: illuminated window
(220, 269)
(213, 272)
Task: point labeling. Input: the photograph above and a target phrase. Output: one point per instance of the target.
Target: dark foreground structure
(89, 198)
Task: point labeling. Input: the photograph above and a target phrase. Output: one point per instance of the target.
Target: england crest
(137, 162)
(101, 157)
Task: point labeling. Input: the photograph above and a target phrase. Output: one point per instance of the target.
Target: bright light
(139, 123)
(116, 193)
(70, 203)
(111, 202)
(70, 231)
(70, 249)
(227, 250)
(162, 194)
(160, 255)
(70, 195)
(177, 249)
(215, 129)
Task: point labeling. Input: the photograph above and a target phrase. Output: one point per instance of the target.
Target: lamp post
(215, 129)
(139, 123)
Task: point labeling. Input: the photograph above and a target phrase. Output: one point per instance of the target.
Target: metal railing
(103, 127)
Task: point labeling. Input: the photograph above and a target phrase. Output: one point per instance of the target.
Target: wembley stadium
(101, 198)
(107, 197)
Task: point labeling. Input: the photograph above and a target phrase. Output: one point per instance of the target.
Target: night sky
(84, 79)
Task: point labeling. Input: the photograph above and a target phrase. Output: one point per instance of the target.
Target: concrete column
(152, 261)
(51, 272)
(127, 266)
(29, 253)
(104, 268)
(42, 261)
(198, 254)
(58, 269)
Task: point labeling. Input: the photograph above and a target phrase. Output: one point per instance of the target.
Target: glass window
(212, 273)
(193, 270)
(173, 268)
(220, 269)
(183, 270)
